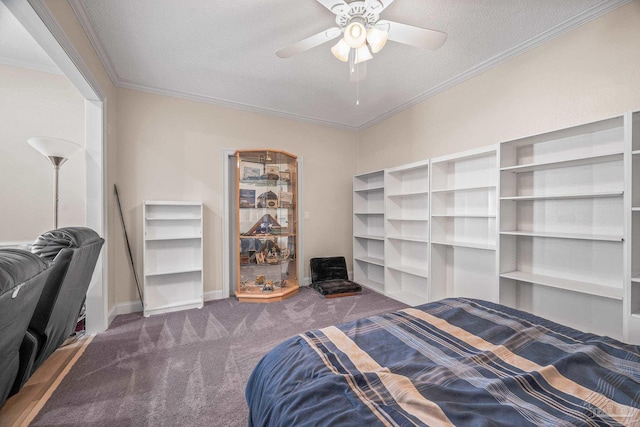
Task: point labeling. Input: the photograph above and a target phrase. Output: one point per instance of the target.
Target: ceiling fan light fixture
(341, 50)
(355, 34)
(362, 54)
(377, 39)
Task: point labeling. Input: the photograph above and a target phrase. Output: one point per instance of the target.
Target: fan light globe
(362, 54)
(376, 39)
(355, 34)
(341, 50)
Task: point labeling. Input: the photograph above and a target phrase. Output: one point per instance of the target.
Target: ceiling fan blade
(336, 6)
(414, 36)
(377, 6)
(309, 42)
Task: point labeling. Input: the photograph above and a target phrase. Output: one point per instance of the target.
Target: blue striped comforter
(453, 362)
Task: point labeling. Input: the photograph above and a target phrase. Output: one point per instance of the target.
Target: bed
(457, 361)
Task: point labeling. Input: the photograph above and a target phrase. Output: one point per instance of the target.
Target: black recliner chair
(22, 279)
(72, 253)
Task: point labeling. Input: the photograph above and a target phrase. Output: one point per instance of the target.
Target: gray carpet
(189, 368)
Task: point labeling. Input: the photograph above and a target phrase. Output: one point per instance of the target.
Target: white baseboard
(136, 306)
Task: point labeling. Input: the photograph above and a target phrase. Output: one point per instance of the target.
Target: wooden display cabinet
(267, 225)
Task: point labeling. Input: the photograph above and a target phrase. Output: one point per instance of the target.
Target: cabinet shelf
(415, 271)
(409, 298)
(369, 189)
(464, 215)
(265, 182)
(469, 188)
(593, 195)
(369, 237)
(417, 239)
(409, 194)
(371, 260)
(173, 218)
(577, 161)
(574, 236)
(155, 239)
(470, 245)
(173, 271)
(409, 219)
(566, 284)
(369, 213)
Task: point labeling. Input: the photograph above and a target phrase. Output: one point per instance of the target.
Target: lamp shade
(54, 147)
(376, 39)
(341, 50)
(355, 34)
(362, 54)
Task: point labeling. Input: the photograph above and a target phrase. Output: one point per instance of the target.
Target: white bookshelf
(173, 258)
(368, 230)
(463, 225)
(407, 232)
(562, 232)
(632, 297)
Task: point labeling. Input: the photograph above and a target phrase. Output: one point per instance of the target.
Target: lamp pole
(56, 161)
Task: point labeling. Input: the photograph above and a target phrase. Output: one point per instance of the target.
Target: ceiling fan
(363, 32)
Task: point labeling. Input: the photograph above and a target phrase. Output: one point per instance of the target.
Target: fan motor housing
(357, 11)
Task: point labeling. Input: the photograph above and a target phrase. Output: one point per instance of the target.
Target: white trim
(136, 306)
(532, 43)
(51, 69)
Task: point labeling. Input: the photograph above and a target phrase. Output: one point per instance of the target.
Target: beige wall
(171, 149)
(590, 73)
(34, 103)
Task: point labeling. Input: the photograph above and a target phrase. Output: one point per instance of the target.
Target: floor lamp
(57, 151)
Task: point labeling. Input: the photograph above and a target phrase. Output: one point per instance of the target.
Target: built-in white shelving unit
(407, 232)
(463, 225)
(368, 230)
(562, 233)
(173, 260)
(632, 297)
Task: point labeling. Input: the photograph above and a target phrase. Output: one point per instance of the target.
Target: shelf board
(408, 219)
(266, 236)
(471, 188)
(174, 271)
(574, 236)
(371, 284)
(174, 218)
(410, 238)
(635, 152)
(149, 309)
(409, 194)
(578, 161)
(265, 182)
(635, 279)
(464, 215)
(415, 271)
(567, 196)
(369, 213)
(569, 285)
(408, 298)
(368, 236)
(370, 260)
(153, 239)
(366, 190)
(470, 245)
(635, 209)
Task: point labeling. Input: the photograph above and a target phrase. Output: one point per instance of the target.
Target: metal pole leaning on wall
(126, 239)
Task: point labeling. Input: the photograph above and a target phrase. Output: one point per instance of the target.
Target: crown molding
(528, 45)
(51, 69)
(83, 17)
(576, 21)
(233, 104)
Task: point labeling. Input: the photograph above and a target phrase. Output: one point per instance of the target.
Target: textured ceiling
(18, 48)
(224, 51)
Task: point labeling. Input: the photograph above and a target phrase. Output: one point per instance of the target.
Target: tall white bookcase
(368, 230)
(632, 300)
(463, 225)
(407, 232)
(173, 257)
(562, 232)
